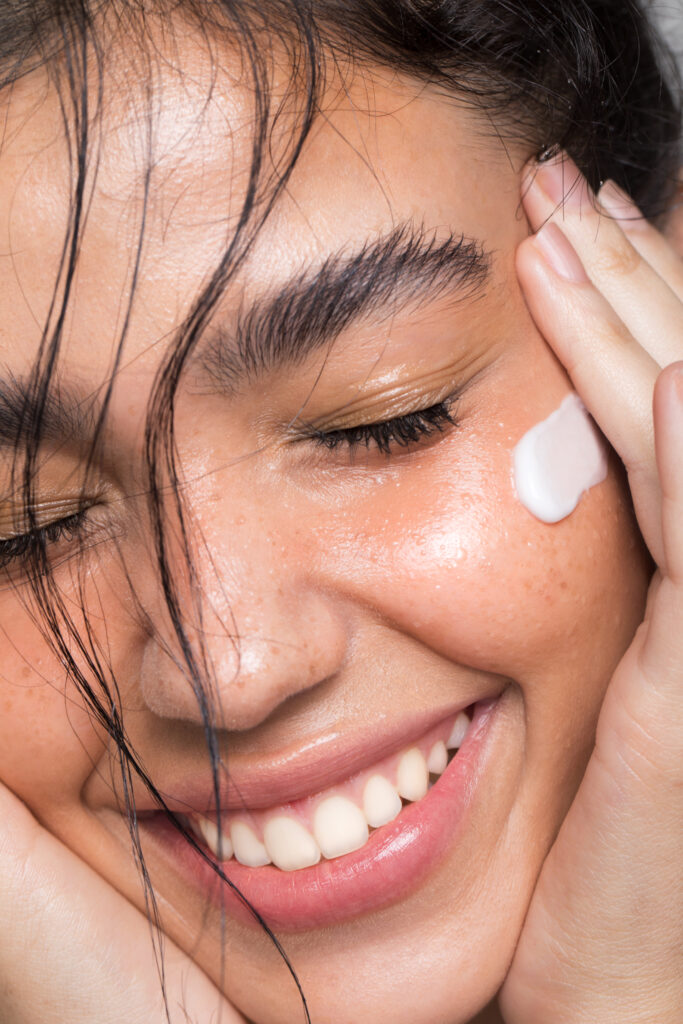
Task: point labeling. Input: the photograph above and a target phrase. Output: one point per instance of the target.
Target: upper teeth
(438, 758)
(338, 824)
(247, 846)
(412, 777)
(381, 802)
(289, 844)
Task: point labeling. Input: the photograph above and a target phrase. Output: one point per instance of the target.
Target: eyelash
(24, 546)
(400, 432)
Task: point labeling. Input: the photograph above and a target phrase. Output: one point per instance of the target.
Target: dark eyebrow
(63, 414)
(316, 305)
(309, 310)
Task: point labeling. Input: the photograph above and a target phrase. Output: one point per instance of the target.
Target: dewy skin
(558, 460)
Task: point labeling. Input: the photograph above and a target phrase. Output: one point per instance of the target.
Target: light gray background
(669, 16)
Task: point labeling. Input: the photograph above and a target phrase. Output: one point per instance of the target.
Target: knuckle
(608, 331)
(617, 258)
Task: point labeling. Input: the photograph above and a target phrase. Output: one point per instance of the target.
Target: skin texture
(361, 588)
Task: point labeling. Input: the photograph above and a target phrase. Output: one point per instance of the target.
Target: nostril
(272, 656)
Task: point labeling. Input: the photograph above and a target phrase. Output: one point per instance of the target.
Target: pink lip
(392, 863)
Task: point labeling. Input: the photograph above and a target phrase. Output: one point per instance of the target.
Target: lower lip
(391, 865)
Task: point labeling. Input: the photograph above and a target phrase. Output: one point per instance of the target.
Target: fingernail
(563, 183)
(621, 207)
(559, 254)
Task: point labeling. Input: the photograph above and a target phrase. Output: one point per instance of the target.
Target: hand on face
(76, 947)
(603, 938)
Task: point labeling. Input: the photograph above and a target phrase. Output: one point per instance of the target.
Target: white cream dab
(558, 460)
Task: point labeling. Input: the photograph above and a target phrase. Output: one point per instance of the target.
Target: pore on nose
(257, 655)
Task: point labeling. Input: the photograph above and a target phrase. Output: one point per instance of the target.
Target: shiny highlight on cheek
(558, 460)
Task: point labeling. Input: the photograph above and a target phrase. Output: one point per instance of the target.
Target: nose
(262, 626)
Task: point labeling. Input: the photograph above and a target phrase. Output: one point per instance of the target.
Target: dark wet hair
(589, 76)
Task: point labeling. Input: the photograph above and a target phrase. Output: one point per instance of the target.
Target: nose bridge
(268, 630)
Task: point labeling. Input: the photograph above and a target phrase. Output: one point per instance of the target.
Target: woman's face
(353, 599)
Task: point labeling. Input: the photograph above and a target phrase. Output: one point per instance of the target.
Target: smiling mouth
(360, 840)
(339, 820)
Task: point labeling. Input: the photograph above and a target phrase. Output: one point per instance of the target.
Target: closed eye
(24, 546)
(400, 432)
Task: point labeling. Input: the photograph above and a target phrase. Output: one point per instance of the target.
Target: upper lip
(311, 766)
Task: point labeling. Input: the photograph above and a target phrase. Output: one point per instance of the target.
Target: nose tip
(249, 670)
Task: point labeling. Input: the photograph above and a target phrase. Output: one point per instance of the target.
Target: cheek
(45, 735)
(455, 560)
(48, 739)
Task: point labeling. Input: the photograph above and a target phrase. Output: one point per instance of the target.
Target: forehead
(169, 168)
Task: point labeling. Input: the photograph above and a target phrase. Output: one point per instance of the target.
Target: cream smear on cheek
(558, 460)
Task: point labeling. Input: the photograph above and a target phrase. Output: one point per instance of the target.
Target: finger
(612, 372)
(643, 236)
(614, 375)
(668, 420)
(660, 659)
(647, 711)
(643, 300)
(69, 925)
